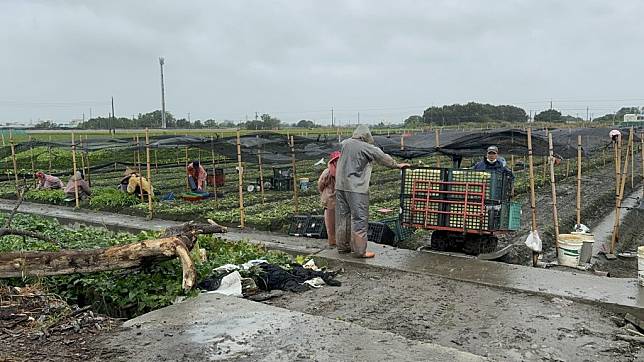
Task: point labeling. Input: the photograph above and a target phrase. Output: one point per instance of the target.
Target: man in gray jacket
(352, 190)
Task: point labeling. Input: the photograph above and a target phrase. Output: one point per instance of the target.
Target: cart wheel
(480, 244)
(446, 241)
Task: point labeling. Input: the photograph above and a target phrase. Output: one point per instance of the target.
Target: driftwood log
(175, 242)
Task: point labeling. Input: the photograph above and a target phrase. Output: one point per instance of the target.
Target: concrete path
(213, 327)
(617, 294)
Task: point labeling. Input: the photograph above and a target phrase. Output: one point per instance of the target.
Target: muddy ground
(631, 237)
(502, 325)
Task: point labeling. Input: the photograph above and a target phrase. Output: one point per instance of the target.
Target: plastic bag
(533, 241)
(581, 228)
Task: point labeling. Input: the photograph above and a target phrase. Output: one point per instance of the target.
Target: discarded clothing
(231, 285)
(275, 277)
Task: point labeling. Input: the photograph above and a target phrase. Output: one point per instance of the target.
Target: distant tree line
(151, 120)
(471, 112)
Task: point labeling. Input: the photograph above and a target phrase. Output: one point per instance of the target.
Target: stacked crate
(489, 211)
(282, 179)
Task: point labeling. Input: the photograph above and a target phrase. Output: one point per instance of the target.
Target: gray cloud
(297, 59)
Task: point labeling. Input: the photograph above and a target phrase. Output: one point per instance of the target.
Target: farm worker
(82, 185)
(132, 183)
(196, 176)
(48, 182)
(326, 187)
(353, 173)
(492, 162)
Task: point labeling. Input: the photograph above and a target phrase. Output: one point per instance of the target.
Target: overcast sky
(298, 59)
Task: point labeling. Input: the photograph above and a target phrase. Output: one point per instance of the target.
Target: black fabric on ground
(211, 283)
(276, 277)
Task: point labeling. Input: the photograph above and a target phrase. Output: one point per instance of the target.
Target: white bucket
(586, 252)
(640, 265)
(570, 249)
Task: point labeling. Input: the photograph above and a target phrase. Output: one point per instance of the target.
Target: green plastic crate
(511, 215)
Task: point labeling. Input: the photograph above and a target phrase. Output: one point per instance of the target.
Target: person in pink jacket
(197, 177)
(48, 182)
(326, 187)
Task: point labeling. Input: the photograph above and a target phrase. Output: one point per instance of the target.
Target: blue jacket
(498, 166)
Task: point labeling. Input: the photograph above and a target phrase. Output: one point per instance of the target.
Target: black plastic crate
(401, 232)
(282, 184)
(298, 226)
(380, 233)
(316, 228)
(282, 172)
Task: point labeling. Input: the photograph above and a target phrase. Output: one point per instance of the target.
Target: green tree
(550, 115)
(473, 112)
(414, 121)
(306, 124)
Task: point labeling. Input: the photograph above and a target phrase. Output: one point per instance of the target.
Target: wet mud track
(501, 325)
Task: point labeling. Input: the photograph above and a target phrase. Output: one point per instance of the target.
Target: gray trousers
(351, 221)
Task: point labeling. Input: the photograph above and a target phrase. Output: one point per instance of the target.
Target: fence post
(242, 216)
(147, 159)
(74, 171)
(15, 163)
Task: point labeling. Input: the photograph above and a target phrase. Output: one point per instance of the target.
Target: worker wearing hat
(326, 187)
(493, 162)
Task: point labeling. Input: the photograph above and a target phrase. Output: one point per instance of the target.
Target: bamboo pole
(187, 163)
(533, 201)
(33, 164)
(138, 166)
(642, 157)
(80, 140)
(296, 201)
(545, 167)
(555, 218)
(261, 173)
(48, 153)
(4, 160)
(402, 141)
(15, 163)
(147, 161)
(88, 175)
(156, 162)
(214, 168)
(74, 171)
(242, 215)
(578, 209)
(620, 195)
(632, 165)
(437, 137)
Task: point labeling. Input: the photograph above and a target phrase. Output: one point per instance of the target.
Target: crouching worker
(83, 187)
(48, 182)
(326, 187)
(133, 183)
(196, 177)
(352, 190)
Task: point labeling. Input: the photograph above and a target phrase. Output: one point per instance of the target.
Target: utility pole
(587, 114)
(332, 119)
(188, 117)
(109, 126)
(358, 117)
(90, 113)
(163, 122)
(551, 104)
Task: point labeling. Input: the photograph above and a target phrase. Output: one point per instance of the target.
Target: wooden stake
(402, 141)
(296, 202)
(33, 164)
(578, 179)
(533, 200)
(48, 154)
(187, 163)
(214, 168)
(88, 175)
(261, 173)
(15, 163)
(555, 218)
(147, 161)
(156, 162)
(632, 164)
(74, 171)
(620, 195)
(80, 139)
(242, 215)
(438, 145)
(138, 165)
